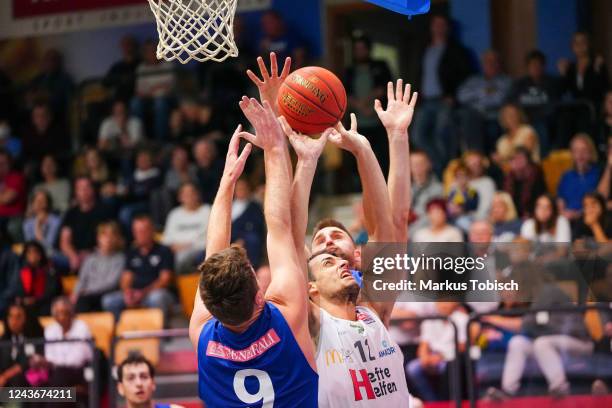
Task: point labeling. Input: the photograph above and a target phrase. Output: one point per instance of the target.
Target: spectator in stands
(136, 382)
(37, 282)
(425, 187)
(209, 169)
(366, 80)
(12, 191)
(58, 188)
(9, 267)
(446, 64)
(145, 179)
(605, 125)
(595, 222)
(524, 181)
(605, 183)
(67, 360)
(518, 134)
(438, 230)
(587, 76)
(42, 225)
(406, 332)
(185, 231)
(101, 270)
(181, 170)
(482, 96)
(582, 179)
(155, 83)
(196, 118)
(91, 164)
(8, 141)
(276, 37)
(546, 225)
(504, 218)
(78, 232)
(437, 348)
(120, 131)
(19, 326)
(44, 136)
(248, 224)
(53, 85)
(547, 343)
(462, 200)
(147, 274)
(484, 185)
(536, 93)
(121, 77)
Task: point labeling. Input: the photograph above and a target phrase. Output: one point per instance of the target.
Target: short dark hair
(228, 286)
(364, 39)
(535, 55)
(330, 222)
(134, 359)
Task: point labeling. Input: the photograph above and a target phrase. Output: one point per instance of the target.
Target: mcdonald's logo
(333, 356)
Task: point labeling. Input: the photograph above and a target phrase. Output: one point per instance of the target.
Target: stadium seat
(101, 325)
(68, 284)
(557, 163)
(136, 320)
(187, 287)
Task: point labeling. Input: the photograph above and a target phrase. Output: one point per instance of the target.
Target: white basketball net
(195, 29)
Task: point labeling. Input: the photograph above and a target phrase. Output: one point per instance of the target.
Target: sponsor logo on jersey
(357, 327)
(372, 384)
(256, 349)
(387, 349)
(366, 318)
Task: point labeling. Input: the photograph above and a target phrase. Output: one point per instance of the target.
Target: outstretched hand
(306, 147)
(268, 131)
(349, 140)
(400, 108)
(269, 84)
(234, 162)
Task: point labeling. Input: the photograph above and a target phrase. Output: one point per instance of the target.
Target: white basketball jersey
(359, 364)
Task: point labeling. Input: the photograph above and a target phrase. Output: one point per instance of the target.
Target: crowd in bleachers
(124, 207)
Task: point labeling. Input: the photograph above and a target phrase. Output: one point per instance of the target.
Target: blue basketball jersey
(263, 367)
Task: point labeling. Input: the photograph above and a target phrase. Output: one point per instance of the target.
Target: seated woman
(19, 326)
(37, 282)
(503, 217)
(42, 224)
(595, 223)
(101, 270)
(547, 225)
(438, 230)
(518, 133)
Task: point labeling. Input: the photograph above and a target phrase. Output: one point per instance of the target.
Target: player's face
(137, 386)
(332, 275)
(335, 241)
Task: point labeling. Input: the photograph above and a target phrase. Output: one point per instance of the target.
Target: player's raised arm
(376, 205)
(308, 151)
(270, 81)
(396, 120)
(220, 222)
(287, 285)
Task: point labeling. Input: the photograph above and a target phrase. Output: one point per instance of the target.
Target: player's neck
(241, 328)
(148, 404)
(341, 308)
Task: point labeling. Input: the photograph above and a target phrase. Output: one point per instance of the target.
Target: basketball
(312, 99)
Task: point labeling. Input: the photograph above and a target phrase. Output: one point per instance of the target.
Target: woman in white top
(438, 230)
(546, 225)
(518, 133)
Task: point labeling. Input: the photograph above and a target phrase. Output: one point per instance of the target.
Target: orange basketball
(312, 99)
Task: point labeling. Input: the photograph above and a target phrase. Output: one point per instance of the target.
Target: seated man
(147, 274)
(67, 360)
(136, 383)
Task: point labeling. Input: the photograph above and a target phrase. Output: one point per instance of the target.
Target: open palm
(270, 83)
(400, 107)
(306, 147)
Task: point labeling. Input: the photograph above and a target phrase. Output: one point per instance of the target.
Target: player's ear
(313, 291)
(120, 389)
(260, 299)
(357, 256)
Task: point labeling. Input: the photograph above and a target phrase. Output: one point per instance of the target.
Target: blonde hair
(115, 230)
(511, 213)
(586, 139)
